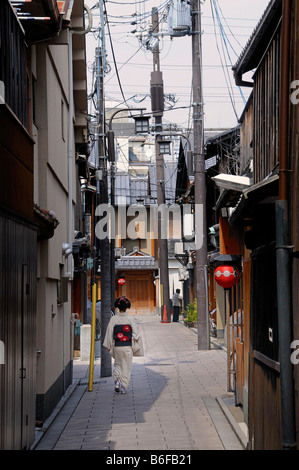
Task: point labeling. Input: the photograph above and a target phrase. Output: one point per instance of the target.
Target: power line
(227, 79)
(128, 3)
(114, 59)
(143, 16)
(224, 37)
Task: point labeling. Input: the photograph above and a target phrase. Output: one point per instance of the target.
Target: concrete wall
(51, 193)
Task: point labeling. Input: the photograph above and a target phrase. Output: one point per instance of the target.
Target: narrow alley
(172, 402)
(149, 150)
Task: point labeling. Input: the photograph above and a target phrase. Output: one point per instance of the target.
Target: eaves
(259, 41)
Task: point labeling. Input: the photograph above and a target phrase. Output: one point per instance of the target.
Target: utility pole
(157, 99)
(106, 368)
(111, 156)
(105, 255)
(201, 276)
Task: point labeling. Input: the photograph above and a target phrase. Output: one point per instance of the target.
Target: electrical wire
(225, 40)
(227, 78)
(226, 44)
(114, 59)
(125, 100)
(143, 16)
(125, 63)
(222, 30)
(128, 3)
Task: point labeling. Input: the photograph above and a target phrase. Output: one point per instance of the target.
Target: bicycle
(99, 328)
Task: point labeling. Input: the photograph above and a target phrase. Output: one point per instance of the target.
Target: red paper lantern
(121, 281)
(226, 276)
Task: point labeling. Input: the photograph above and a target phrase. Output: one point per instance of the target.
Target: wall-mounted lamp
(141, 124)
(164, 147)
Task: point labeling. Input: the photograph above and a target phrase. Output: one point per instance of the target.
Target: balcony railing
(12, 61)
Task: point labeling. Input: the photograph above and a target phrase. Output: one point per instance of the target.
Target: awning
(234, 182)
(267, 188)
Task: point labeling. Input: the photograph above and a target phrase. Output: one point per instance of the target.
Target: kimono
(122, 354)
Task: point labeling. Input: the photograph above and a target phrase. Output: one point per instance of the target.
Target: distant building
(135, 185)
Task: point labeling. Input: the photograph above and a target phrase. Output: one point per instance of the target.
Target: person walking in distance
(176, 303)
(123, 340)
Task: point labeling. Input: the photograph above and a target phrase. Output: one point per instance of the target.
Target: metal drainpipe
(283, 252)
(70, 151)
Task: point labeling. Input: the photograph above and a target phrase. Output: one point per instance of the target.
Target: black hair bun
(122, 303)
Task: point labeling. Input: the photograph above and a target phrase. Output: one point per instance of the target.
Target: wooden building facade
(18, 257)
(255, 217)
(268, 133)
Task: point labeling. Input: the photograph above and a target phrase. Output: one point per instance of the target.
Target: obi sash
(122, 335)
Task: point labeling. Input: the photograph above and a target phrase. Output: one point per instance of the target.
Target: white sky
(238, 17)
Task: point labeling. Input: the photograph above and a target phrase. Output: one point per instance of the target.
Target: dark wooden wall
(266, 112)
(294, 188)
(16, 165)
(265, 415)
(17, 331)
(18, 257)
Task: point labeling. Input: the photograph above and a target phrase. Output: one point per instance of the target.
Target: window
(132, 156)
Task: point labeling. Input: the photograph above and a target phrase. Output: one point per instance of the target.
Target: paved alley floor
(171, 403)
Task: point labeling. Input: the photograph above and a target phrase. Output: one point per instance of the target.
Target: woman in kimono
(122, 337)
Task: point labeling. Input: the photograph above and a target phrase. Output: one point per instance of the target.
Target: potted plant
(191, 314)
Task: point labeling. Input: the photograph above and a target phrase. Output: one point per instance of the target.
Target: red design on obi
(120, 338)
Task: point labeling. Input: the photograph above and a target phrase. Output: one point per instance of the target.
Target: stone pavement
(173, 402)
